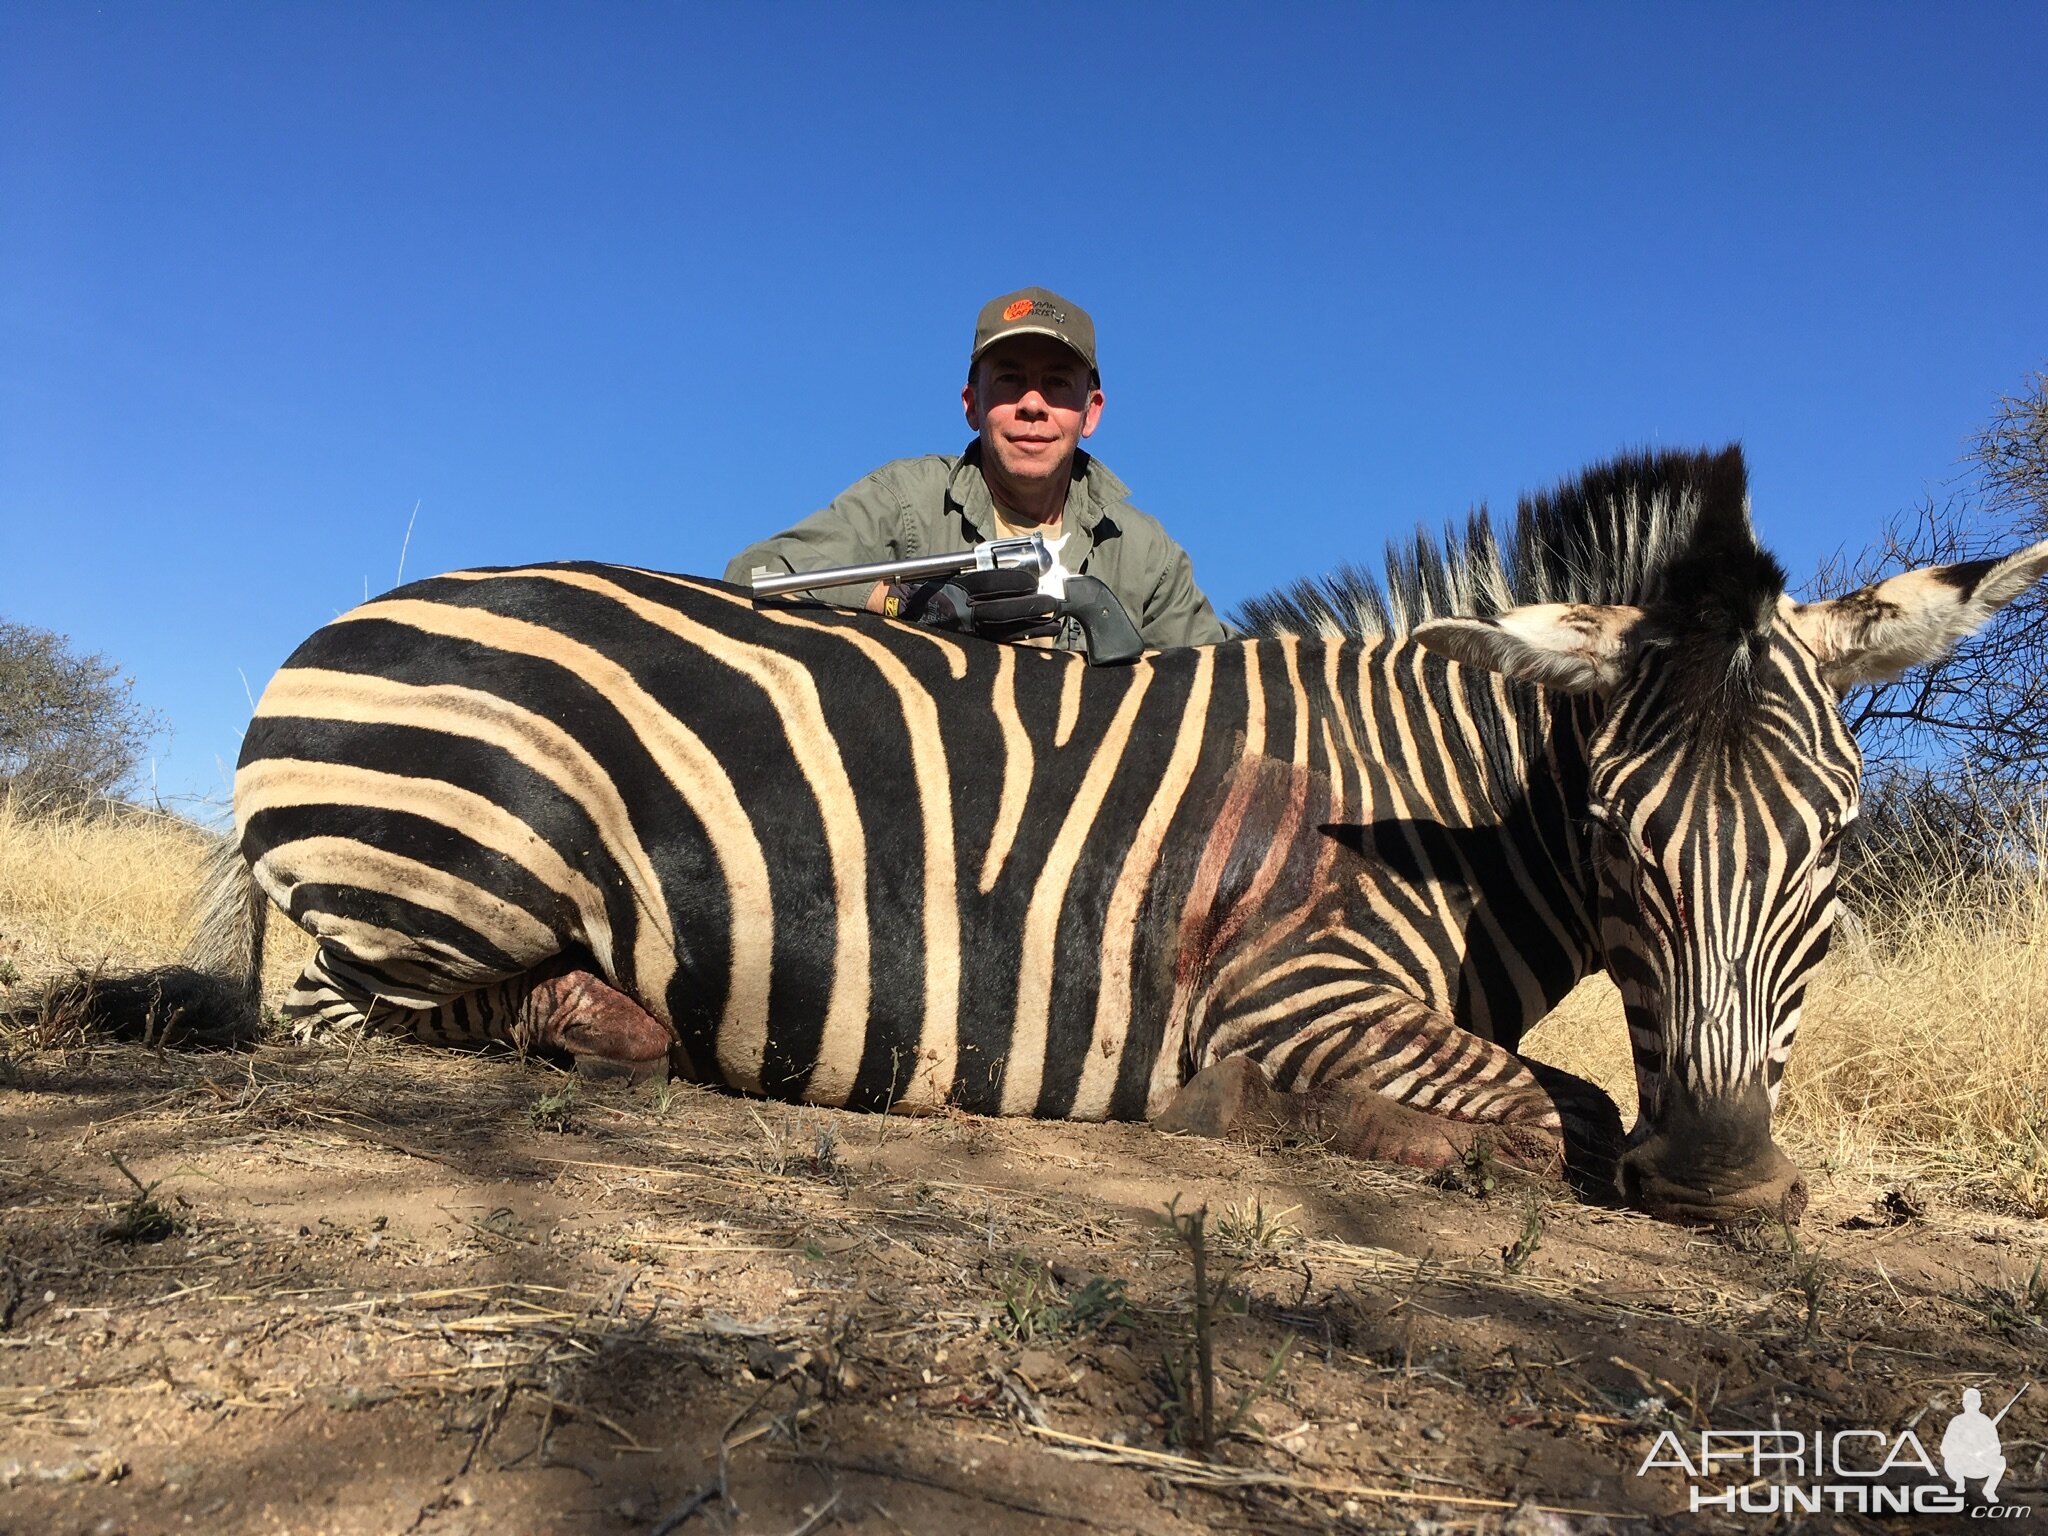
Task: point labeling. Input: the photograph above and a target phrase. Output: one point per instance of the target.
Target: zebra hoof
(1230, 1097)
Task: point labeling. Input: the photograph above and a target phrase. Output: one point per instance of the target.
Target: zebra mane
(1661, 529)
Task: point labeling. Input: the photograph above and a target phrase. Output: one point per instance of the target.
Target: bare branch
(1983, 710)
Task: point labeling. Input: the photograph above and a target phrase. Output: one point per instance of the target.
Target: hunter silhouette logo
(1969, 1446)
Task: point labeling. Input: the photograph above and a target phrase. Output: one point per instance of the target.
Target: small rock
(1528, 1520)
(1043, 1368)
(768, 1361)
(1121, 1365)
(1270, 1417)
(1432, 1434)
(1094, 1390)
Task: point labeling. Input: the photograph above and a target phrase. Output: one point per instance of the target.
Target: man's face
(1032, 402)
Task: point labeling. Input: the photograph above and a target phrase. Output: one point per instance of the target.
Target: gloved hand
(996, 605)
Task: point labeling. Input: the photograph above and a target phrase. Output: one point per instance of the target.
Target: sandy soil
(409, 1291)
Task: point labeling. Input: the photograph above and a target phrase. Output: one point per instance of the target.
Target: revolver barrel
(1028, 553)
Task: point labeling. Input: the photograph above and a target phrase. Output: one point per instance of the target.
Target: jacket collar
(1089, 494)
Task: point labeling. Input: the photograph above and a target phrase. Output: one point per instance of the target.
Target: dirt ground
(381, 1289)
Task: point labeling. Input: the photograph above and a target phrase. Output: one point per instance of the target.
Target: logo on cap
(1018, 310)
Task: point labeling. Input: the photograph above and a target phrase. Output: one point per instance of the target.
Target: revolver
(1110, 634)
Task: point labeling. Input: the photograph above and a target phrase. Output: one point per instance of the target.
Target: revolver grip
(1112, 637)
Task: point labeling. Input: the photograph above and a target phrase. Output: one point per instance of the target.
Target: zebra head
(1720, 778)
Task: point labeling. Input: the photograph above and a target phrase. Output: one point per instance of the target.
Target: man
(1970, 1448)
(1033, 392)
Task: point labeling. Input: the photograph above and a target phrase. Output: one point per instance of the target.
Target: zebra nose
(1710, 1158)
(1672, 1182)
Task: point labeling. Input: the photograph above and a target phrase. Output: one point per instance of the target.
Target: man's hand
(996, 605)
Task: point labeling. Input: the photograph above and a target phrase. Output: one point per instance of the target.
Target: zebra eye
(1615, 837)
(1616, 840)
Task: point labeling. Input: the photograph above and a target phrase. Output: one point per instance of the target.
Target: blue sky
(645, 282)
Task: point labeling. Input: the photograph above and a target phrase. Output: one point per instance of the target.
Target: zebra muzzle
(1711, 1159)
(1668, 1177)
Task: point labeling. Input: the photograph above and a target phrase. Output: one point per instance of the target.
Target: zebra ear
(1572, 647)
(1875, 633)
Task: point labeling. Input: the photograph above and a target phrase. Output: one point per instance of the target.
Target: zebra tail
(227, 939)
(211, 999)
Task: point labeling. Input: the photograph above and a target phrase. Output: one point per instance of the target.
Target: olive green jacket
(940, 503)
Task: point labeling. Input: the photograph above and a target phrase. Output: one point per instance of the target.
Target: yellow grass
(74, 891)
(1924, 1051)
(115, 890)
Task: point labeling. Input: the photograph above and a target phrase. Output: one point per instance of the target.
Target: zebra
(1316, 881)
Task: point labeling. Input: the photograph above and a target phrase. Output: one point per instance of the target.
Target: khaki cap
(1035, 312)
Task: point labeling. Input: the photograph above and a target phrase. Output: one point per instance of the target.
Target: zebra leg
(1234, 1098)
(1396, 1081)
(557, 1007)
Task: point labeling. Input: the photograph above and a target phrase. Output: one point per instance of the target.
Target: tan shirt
(939, 503)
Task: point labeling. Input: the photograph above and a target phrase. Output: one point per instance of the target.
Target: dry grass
(113, 890)
(76, 889)
(1923, 1053)
(1587, 1035)
(1926, 1044)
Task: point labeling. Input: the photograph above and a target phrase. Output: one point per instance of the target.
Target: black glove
(996, 605)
